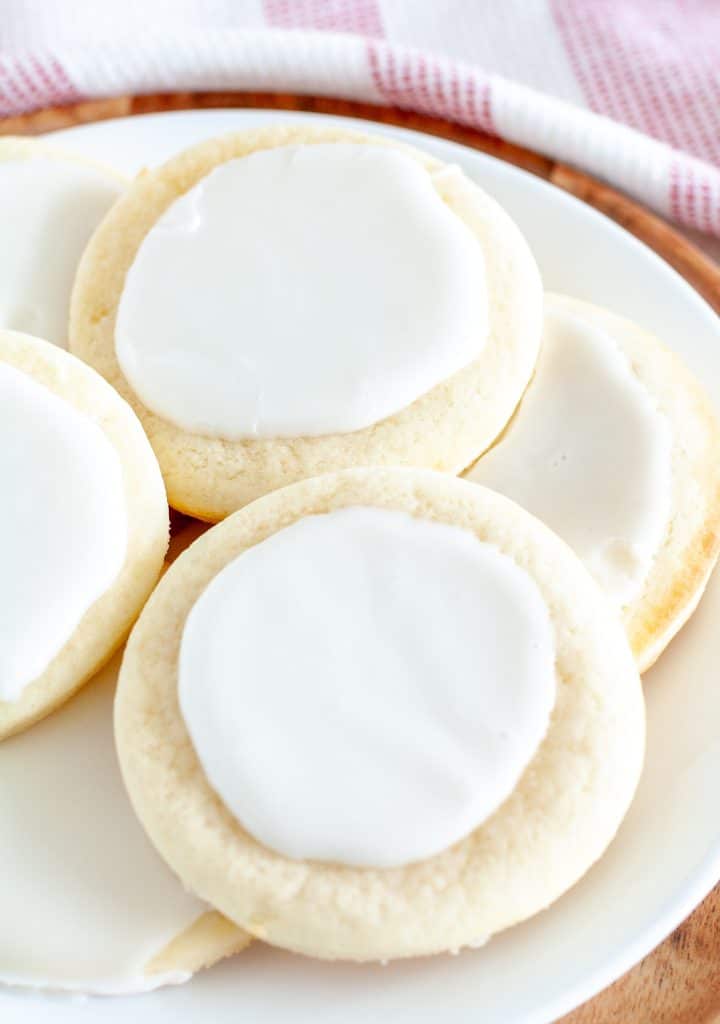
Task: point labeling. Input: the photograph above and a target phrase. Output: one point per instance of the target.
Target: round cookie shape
(557, 821)
(286, 241)
(444, 428)
(50, 204)
(88, 905)
(616, 447)
(84, 534)
(385, 746)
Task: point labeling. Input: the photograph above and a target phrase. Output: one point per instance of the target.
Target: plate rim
(707, 873)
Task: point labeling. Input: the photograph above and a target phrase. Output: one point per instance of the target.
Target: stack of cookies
(390, 704)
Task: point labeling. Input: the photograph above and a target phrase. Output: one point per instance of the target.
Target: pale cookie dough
(105, 622)
(558, 820)
(51, 201)
(445, 428)
(587, 465)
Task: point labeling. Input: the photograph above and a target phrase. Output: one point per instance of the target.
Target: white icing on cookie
(590, 454)
(303, 290)
(63, 525)
(366, 687)
(49, 207)
(86, 901)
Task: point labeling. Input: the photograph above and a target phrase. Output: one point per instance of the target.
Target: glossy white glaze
(367, 687)
(302, 290)
(49, 207)
(590, 454)
(86, 901)
(63, 524)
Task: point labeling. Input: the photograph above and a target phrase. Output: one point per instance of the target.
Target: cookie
(417, 722)
(83, 526)
(617, 448)
(283, 302)
(50, 204)
(87, 903)
(73, 853)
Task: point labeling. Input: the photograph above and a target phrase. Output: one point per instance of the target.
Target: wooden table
(679, 982)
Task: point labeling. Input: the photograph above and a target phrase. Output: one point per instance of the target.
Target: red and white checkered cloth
(626, 89)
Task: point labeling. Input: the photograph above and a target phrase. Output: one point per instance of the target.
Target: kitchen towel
(628, 90)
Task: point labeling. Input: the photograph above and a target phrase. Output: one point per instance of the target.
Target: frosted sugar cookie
(378, 714)
(83, 526)
(50, 204)
(283, 302)
(616, 447)
(88, 904)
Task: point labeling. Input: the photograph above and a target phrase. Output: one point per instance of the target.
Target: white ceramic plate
(667, 854)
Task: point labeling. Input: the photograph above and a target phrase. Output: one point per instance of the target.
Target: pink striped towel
(626, 89)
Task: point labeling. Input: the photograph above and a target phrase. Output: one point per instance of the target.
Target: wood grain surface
(679, 982)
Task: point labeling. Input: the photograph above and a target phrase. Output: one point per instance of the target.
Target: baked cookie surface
(84, 526)
(444, 428)
(617, 448)
(562, 812)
